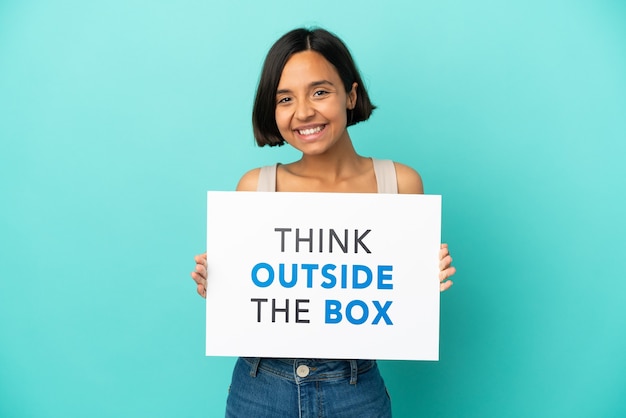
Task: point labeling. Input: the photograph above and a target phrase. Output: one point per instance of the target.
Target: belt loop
(354, 371)
(254, 366)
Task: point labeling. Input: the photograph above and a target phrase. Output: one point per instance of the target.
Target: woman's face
(311, 104)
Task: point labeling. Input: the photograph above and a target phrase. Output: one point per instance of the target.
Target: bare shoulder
(249, 181)
(409, 180)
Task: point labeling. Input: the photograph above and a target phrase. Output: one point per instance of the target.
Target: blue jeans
(304, 388)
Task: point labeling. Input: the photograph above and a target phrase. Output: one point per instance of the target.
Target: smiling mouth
(310, 131)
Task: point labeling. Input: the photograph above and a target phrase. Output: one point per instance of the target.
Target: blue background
(117, 116)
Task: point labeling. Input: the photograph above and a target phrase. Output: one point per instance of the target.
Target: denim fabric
(283, 388)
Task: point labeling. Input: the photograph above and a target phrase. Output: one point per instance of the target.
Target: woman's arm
(249, 181)
(409, 181)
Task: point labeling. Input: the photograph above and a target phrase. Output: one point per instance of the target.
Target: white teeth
(310, 131)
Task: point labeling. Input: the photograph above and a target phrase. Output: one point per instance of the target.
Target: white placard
(323, 275)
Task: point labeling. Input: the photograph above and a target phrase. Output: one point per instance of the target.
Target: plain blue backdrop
(116, 117)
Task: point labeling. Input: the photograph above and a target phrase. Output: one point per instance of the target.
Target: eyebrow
(312, 84)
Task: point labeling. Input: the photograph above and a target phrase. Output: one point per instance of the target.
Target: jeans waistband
(303, 370)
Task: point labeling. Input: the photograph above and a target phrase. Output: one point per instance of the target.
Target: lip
(310, 137)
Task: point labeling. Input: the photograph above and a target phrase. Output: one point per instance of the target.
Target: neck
(335, 163)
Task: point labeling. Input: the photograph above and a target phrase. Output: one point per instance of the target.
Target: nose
(304, 110)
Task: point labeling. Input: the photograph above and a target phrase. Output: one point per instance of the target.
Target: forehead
(305, 67)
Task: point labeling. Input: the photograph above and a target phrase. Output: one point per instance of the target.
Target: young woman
(310, 91)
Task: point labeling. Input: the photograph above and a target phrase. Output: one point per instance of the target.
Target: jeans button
(302, 371)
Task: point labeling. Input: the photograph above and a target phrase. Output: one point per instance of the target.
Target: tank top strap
(384, 170)
(386, 179)
(267, 179)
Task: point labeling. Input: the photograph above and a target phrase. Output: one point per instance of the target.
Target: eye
(320, 93)
(282, 100)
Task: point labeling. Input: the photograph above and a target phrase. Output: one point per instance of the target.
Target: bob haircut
(298, 40)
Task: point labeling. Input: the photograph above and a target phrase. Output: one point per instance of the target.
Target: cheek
(281, 120)
(336, 110)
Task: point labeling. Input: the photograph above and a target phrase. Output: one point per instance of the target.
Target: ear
(351, 100)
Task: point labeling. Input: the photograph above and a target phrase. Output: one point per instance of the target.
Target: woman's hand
(445, 269)
(199, 274)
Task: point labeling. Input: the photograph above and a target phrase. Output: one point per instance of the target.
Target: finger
(444, 245)
(200, 259)
(201, 270)
(200, 284)
(446, 274)
(200, 280)
(201, 291)
(445, 285)
(445, 262)
(443, 252)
